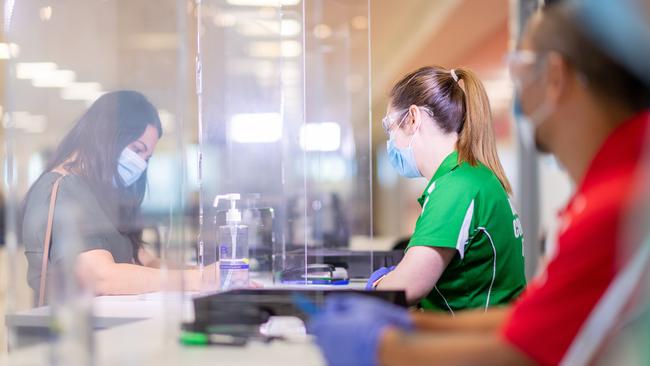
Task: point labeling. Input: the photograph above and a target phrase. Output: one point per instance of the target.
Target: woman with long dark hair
(87, 202)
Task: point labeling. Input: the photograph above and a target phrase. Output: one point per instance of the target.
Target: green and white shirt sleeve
(447, 218)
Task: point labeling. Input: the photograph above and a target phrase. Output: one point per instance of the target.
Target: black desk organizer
(253, 307)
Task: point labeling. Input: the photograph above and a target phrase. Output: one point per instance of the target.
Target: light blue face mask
(403, 160)
(130, 167)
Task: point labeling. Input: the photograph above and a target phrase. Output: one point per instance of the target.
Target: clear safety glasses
(518, 63)
(390, 121)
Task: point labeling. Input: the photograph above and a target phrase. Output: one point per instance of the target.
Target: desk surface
(110, 311)
(138, 330)
(153, 342)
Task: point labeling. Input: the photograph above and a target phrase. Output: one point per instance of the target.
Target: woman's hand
(204, 280)
(255, 284)
(148, 259)
(377, 276)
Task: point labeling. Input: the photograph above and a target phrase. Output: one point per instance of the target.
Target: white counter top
(152, 342)
(143, 330)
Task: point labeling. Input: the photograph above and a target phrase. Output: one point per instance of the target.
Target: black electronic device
(255, 306)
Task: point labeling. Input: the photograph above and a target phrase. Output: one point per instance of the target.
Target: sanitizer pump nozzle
(233, 217)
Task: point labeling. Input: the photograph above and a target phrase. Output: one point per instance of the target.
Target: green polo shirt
(465, 207)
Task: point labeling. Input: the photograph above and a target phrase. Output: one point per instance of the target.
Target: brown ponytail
(462, 109)
(476, 140)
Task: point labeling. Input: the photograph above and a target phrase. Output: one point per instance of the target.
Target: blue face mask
(403, 160)
(130, 167)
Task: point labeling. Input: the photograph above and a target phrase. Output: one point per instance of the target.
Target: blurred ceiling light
(274, 3)
(224, 20)
(266, 3)
(324, 136)
(45, 74)
(251, 128)
(322, 31)
(265, 49)
(291, 49)
(8, 50)
(153, 41)
(88, 92)
(29, 70)
(14, 50)
(259, 28)
(253, 2)
(290, 28)
(359, 22)
(45, 13)
(54, 79)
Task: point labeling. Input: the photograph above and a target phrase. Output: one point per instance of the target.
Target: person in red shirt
(592, 114)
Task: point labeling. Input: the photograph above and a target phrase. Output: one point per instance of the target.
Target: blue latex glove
(349, 328)
(381, 272)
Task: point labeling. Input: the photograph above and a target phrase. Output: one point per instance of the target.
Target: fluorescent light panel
(290, 28)
(251, 128)
(8, 50)
(82, 91)
(324, 136)
(30, 70)
(270, 3)
(259, 28)
(54, 79)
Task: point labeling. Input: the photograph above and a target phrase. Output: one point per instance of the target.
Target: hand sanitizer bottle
(233, 247)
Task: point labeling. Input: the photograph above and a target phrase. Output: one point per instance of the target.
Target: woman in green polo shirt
(466, 251)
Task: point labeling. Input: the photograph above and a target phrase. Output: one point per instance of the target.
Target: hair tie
(453, 75)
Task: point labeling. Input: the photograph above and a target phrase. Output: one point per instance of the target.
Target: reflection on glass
(62, 116)
(99, 170)
(285, 124)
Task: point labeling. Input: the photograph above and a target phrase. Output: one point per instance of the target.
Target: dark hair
(462, 109)
(559, 30)
(92, 148)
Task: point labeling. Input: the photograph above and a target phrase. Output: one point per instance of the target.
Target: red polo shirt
(546, 319)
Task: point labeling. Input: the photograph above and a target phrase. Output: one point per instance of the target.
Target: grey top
(80, 225)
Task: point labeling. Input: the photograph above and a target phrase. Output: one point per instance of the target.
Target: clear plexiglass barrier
(157, 149)
(284, 125)
(96, 102)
